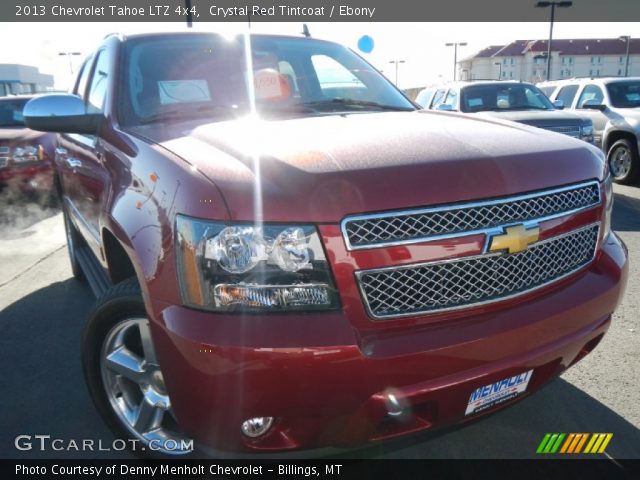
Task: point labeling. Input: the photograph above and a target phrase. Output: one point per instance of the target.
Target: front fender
(149, 190)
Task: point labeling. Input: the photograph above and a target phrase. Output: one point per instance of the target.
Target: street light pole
(69, 55)
(628, 40)
(455, 54)
(500, 69)
(553, 5)
(396, 62)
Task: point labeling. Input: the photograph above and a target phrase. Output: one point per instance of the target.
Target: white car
(613, 104)
(506, 100)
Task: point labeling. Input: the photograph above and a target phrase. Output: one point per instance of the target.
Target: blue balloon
(365, 44)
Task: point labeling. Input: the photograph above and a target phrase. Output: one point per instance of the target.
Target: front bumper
(28, 178)
(328, 385)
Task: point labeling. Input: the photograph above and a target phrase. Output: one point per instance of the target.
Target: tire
(123, 376)
(623, 161)
(48, 201)
(74, 241)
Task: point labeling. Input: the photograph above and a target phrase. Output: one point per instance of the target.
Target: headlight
(586, 132)
(608, 205)
(225, 267)
(27, 153)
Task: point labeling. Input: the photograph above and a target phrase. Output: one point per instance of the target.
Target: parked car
(25, 155)
(284, 266)
(613, 104)
(507, 100)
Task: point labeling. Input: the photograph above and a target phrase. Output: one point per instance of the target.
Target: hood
(630, 115)
(539, 118)
(12, 135)
(320, 169)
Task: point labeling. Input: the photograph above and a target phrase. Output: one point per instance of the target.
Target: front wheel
(623, 161)
(123, 376)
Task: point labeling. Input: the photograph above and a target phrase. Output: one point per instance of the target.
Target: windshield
(624, 94)
(11, 112)
(503, 97)
(173, 77)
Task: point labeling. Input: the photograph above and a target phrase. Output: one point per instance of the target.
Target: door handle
(73, 163)
(61, 151)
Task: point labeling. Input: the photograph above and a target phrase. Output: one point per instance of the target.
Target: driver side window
(438, 98)
(590, 92)
(81, 84)
(452, 99)
(98, 90)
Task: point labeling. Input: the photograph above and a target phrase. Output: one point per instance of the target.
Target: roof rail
(120, 35)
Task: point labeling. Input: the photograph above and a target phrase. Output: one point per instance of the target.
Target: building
(526, 60)
(20, 79)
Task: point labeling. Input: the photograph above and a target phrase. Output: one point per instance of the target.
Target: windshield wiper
(347, 102)
(218, 110)
(287, 108)
(525, 107)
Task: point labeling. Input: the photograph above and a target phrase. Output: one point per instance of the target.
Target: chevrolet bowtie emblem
(514, 239)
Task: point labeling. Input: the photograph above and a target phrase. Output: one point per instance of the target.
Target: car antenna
(305, 30)
(187, 4)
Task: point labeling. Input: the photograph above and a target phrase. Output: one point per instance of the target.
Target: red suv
(25, 155)
(289, 255)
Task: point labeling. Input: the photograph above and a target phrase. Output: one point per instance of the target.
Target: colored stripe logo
(574, 443)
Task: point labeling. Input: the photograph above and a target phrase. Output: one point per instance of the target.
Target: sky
(421, 45)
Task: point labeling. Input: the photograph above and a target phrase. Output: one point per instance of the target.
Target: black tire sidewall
(70, 231)
(119, 303)
(101, 320)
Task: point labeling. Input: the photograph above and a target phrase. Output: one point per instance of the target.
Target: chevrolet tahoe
(289, 255)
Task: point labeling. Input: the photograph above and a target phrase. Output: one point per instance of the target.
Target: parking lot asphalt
(42, 310)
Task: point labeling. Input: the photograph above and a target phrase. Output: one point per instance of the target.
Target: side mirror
(593, 104)
(558, 104)
(61, 113)
(444, 107)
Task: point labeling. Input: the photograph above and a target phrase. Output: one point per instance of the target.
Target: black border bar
(330, 469)
(312, 11)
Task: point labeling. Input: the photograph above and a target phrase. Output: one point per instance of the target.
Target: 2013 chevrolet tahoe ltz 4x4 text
(290, 256)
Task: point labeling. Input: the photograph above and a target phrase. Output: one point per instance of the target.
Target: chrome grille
(397, 228)
(571, 130)
(4, 156)
(464, 282)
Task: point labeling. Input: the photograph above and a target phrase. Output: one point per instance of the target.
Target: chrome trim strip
(365, 301)
(463, 206)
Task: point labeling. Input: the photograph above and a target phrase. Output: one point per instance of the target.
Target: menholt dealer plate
(498, 392)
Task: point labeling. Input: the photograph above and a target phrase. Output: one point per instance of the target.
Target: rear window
(424, 97)
(503, 97)
(567, 94)
(624, 94)
(11, 113)
(547, 90)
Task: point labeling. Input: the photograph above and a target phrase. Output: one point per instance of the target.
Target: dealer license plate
(495, 393)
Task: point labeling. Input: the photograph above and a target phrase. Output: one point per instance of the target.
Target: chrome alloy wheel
(620, 162)
(135, 388)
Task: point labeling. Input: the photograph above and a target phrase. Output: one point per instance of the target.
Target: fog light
(256, 427)
(276, 296)
(397, 406)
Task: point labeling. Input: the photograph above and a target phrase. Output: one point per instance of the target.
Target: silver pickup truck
(613, 104)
